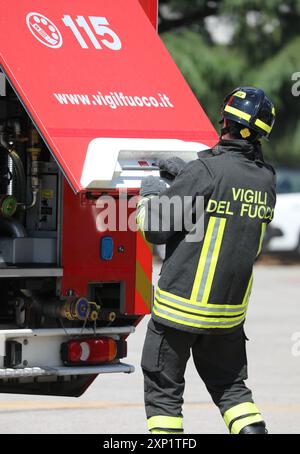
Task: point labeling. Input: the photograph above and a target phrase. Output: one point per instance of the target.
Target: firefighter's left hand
(152, 186)
(170, 168)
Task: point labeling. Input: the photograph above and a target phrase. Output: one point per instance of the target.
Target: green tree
(261, 47)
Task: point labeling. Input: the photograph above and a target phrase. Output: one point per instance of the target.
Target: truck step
(24, 372)
(66, 371)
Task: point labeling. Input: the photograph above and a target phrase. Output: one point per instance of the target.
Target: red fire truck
(89, 100)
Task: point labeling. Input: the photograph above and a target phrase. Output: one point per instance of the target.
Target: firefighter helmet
(250, 107)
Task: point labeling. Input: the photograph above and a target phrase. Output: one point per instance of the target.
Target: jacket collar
(237, 146)
(248, 150)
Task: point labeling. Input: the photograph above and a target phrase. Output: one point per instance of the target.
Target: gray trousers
(220, 360)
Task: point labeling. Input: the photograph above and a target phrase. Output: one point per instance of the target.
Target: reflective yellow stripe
(262, 234)
(245, 408)
(143, 200)
(240, 94)
(166, 295)
(208, 260)
(179, 298)
(143, 284)
(248, 292)
(214, 261)
(194, 325)
(166, 432)
(238, 425)
(263, 126)
(201, 318)
(197, 312)
(202, 310)
(202, 260)
(195, 322)
(165, 422)
(141, 214)
(140, 218)
(237, 112)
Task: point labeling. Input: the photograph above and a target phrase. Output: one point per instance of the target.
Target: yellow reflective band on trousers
(208, 260)
(165, 422)
(241, 415)
(166, 432)
(238, 425)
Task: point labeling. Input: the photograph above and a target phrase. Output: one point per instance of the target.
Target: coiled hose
(19, 172)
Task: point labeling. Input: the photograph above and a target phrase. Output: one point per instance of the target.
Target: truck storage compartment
(29, 183)
(109, 295)
(39, 251)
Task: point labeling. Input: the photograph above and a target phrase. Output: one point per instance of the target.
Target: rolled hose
(12, 228)
(20, 173)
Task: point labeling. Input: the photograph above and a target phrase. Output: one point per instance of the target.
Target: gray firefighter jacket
(228, 197)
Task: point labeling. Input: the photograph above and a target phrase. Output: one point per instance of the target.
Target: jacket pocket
(152, 358)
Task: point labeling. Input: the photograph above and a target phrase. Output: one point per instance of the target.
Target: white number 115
(100, 26)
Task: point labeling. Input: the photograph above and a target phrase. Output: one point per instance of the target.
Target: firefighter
(205, 283)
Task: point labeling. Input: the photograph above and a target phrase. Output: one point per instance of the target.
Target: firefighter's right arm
(160, 216)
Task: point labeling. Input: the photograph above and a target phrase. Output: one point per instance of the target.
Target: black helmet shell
(250, 106)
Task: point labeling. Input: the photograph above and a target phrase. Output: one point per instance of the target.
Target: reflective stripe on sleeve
(141, 214)
(140, 218)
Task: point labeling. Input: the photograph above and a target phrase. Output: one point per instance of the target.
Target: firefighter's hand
(152, 186)
(170, 168)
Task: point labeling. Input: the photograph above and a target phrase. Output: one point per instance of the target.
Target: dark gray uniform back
(239, 199)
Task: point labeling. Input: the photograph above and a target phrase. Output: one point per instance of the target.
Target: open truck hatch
(92, 80)
(126, 160)
(90, 100)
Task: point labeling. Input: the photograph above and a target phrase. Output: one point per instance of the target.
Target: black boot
(255, 429)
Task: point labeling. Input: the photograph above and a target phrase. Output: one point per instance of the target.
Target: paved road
(114, 403)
